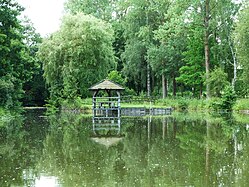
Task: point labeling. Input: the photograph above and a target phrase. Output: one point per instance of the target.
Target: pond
(171, 150)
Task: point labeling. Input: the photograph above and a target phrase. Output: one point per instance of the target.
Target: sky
(44, 14)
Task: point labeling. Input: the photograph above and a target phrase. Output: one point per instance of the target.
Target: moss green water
(178, 150)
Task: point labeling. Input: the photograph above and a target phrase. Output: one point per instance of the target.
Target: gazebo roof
(106, 85)
(107, 142)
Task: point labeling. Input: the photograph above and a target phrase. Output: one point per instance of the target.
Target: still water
(174, 150)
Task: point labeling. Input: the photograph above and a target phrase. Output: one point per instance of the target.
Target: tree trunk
(234, 64)
(201, 90)
(164, 86)
(174, 85)
(152, 85)
(207, 164)
(148, 79)
(206, 45)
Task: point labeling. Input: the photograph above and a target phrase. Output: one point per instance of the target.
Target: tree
(218, 80)
(101, 9)
(191, 73)
(201, 31)
(206, 43)
(171, 35)
(112, 11)
(77, 56)
(242, 45)
(116, 77)
(12, 50)
(141, 20)
(18, 63)
(34, 85)
(218, 26)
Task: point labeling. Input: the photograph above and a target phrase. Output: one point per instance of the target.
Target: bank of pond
(176, 104)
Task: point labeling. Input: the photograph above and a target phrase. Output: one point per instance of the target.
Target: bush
(182, 104)
(242, 104)
(215, 104)
(218, 81)
(228, 98)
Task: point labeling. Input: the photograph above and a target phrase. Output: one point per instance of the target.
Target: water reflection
(179, 150)
(107, 127)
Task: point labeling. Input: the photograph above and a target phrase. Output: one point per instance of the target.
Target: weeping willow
(77, 56)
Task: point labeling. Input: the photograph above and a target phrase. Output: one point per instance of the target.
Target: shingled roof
(106, 85)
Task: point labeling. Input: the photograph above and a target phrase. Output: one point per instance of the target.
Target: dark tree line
(20, 70)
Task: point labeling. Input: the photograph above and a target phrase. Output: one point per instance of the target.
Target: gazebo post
(94, 104)
(119, 107)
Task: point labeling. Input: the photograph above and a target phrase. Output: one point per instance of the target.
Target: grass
(178, 104)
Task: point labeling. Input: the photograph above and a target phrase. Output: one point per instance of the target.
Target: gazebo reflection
(107, 134)
(106, 129)
(106, 113)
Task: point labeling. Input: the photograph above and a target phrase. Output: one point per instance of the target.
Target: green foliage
(76, 104)
(215, 104)
(192, 72)
(11, 52)
(228, 98)
(101, 9)
(141, 20)
(155, 38)
(34, 86)
(242, 44)
(217, 81)
(116, 77)
(5, 116)
(18, 62)
(241, 104)
(151, 39)
(182, 104)
(77, 56)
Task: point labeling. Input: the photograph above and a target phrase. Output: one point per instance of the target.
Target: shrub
(182, 104)
(242, 104)
(228, 98)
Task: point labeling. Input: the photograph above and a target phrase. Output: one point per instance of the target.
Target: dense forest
(162, 48)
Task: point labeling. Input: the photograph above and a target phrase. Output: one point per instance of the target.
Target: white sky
(45, 14)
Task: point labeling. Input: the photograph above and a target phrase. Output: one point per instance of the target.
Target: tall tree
(101, 9)
(112, 11)
(171, 36)
(141, 20)
(12, 50)
(191, 73)
(242, 44)
(206, 43)
(34, 85)
(77, 56)
(205, 25)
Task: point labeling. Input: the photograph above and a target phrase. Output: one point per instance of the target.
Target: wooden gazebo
(106, 103)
